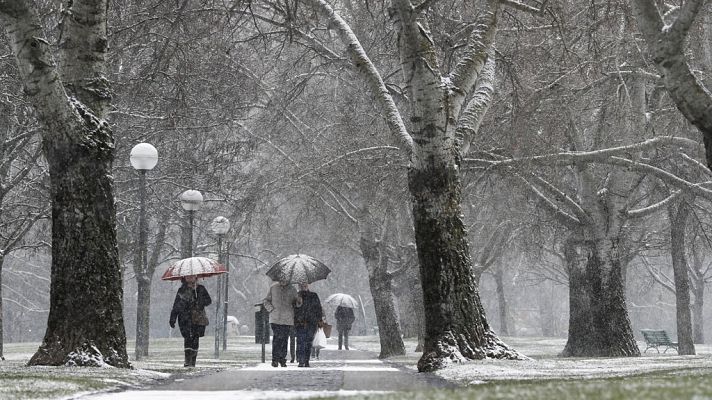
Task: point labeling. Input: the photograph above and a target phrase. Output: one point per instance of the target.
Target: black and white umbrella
(298, 268)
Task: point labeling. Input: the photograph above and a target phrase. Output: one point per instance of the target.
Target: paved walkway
(335, 373)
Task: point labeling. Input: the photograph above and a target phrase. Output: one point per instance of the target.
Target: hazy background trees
(257, 106)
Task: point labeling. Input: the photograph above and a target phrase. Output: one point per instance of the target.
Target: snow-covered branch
(464, 76)
(562, 216)
(573, 157)
(370, 74)
(475, 111)
(653, 208)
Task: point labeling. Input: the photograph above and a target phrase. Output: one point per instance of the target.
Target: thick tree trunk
(85, 325)
(389, 330)
(598, 322)
(502, 301)
(456, 327)
(682, 284)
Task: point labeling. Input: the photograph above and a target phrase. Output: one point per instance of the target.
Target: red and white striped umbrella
(202, 267)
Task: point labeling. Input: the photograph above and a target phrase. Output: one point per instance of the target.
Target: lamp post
(220, 226)
(190, 200)
(143, 158)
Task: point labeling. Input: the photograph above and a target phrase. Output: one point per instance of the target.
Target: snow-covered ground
(17, 381)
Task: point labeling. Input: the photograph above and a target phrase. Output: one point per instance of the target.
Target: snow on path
(228, 395)
(319, 367)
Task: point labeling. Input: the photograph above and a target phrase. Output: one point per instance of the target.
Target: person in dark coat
(190, 296)
(344, 318)
(307, 315)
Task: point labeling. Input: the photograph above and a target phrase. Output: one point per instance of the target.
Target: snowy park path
(336, 373)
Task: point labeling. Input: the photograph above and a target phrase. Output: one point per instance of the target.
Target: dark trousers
(305, 336)
(279, 342)
(191, 342)
(344, 338)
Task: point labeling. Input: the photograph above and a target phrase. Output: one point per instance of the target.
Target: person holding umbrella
(344, 315)
(189, 310)
(344, 319)
(279, 303)
(307, 317)
(301, 269)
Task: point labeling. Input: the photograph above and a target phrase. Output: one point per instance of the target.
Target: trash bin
(262, 331)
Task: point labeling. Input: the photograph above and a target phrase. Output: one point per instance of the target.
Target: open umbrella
(342, 299)
(199, 266)
(298, 268)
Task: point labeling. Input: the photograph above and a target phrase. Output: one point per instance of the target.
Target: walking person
(280, 302)
(307, 316)
(189, 309)
(344, 319)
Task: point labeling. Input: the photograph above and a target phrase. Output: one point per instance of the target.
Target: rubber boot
(188, 357)
(193, 357)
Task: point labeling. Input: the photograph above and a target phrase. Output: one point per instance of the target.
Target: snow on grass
(545, 375)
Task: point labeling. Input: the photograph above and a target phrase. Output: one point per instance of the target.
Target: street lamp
(190, 200)
(220, 226)
(143, 158)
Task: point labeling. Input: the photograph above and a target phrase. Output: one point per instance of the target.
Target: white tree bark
(666, 43)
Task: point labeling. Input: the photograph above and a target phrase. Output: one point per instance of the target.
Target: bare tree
(85, 324)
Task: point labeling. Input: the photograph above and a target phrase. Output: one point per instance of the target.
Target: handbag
(199, 317)
(327, 329)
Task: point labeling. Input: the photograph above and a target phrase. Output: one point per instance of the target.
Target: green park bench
(655, 338)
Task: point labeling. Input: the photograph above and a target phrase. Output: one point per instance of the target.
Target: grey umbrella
(298, 268)
(342, 299)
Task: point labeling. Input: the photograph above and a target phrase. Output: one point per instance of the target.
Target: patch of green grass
(681, 384)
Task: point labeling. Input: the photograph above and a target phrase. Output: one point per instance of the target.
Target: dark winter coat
(310, 312)
(344, 318)
(186, 299)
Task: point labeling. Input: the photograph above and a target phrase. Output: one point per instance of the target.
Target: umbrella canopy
(342, 299)
(298, 268)
(199, 266)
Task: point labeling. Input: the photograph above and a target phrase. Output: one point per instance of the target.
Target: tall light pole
(143, 158)
(191, 201)
(220, 226)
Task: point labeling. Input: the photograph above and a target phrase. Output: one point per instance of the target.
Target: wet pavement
(337, 372)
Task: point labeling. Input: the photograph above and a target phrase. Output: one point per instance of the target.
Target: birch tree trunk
(666, 44)
(85, 324)
(456, 328)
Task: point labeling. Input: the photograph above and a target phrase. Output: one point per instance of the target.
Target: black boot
(193, 357)
(188, 357)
